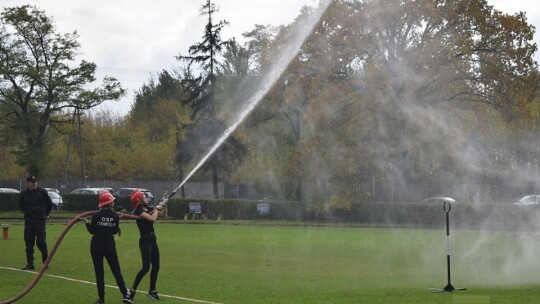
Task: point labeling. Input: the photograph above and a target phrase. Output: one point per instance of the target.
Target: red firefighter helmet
(105, 198)
(136, 198)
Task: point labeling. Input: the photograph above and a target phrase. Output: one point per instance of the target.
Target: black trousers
(106, 248)
(34, 234)
(150, 257)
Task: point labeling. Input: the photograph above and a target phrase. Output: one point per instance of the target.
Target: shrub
(9, 201)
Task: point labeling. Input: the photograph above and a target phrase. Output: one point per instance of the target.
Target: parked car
(122, 196)
(9, 190)
(528, 200)
(111, 190)
(88, 191)
(439, 199)
(52, 190)
(57, 200)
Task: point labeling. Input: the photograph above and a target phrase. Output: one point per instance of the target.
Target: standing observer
(36, 205)
(104, 225)
(147, 242)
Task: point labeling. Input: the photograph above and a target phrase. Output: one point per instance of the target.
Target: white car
(528, 200)
(439, 199)
(88, 191)
(52, 190)
(56, 199)
(9, 190)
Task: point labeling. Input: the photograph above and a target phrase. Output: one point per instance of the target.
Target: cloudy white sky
(134, 39)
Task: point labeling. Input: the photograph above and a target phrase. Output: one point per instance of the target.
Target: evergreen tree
(202, 99)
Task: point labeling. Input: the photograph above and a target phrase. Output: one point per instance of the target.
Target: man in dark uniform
(36, 205)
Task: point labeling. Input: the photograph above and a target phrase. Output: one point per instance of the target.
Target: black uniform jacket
(105, 224)
(35, 203)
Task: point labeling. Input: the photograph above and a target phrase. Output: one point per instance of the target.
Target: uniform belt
(151, 234)
(103, 236)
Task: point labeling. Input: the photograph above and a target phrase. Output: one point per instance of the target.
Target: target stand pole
(449, 288)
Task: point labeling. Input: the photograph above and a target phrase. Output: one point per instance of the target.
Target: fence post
(5, 232)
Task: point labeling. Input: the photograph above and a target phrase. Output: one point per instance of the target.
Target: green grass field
(254, 263)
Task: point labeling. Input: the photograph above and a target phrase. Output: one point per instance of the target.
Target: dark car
(122, 196)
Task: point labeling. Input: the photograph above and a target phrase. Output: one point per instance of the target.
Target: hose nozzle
(164, 201)
(165, 198)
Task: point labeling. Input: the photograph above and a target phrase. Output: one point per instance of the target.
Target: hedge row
(412, 214)
(72, 202)
(9, 201)
(388, 214)
(239, 209)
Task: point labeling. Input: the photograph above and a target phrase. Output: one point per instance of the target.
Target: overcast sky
(134, 39)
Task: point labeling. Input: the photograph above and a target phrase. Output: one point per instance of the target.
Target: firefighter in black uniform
(36, 205)
(147, 242)
(103, 226)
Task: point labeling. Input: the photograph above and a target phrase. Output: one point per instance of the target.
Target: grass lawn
(231, 263)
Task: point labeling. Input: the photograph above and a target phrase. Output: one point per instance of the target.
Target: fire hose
(72, 222)
(53, 251)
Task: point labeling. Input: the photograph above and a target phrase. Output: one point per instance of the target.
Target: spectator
(36, 205)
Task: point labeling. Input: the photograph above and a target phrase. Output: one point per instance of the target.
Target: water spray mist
(286, 55)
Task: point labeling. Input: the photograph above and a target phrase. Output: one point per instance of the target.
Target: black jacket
(105, 224)
(36, 202)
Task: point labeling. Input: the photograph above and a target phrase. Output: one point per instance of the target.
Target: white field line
(110, 286)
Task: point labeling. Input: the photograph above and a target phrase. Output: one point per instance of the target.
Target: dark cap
(31, 178)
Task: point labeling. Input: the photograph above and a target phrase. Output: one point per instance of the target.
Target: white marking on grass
(110, 286)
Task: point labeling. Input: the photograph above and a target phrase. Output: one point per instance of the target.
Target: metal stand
(449, 288)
